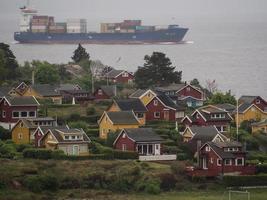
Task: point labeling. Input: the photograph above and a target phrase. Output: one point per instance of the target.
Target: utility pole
(237, 124)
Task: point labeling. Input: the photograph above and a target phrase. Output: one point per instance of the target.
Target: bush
(37, 153)
(111, 138)
(152, 187)
(4, 134)
(125, 154)
(92, 132)
(168, 182)
(40, 183)
(78, 124)
(178, 168)
(261, 168)
(69, 183)
(21, 147)
(7, 150)
(254, 180)
(56, 154)
(74, 117)
(90, 111)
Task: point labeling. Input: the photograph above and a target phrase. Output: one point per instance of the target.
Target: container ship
(40, 29)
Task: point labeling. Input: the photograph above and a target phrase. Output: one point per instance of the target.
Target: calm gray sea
(227, 40)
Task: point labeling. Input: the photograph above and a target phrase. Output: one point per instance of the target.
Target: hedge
(255, 180)
(261, 168)
(37, 153)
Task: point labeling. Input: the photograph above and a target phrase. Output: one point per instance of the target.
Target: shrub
(111, 138)
(4, 134)
(92, 132)
(90, 111)
(168, 182)
(125, 154)
(261, 168)
(40, 183)
(37, 153)
(78, 124)
(152, 187)
(254, 180)
(69, 183)
(7, 150)
(182, 156)
(21, 147)
(178, 168)
(56, 154)
(74, 117)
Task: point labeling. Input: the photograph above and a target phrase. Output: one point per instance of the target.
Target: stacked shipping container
(76, 26)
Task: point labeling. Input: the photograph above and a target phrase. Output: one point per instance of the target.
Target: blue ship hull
(174, 35)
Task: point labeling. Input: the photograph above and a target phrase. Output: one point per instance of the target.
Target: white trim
(155, 115)
(218, 162)
(254, 106)
(188, 128)
(161, 103)
(4, 98)
(186, 117)
(186, 97)
(199, 114)
(211, 148)
(195, 88)
(230, 164)
(125, 132)
(243, 161)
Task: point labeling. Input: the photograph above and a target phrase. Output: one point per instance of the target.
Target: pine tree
(157, 71)
(80, 54)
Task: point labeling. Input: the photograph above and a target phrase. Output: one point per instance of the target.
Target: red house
(189, 94)
(256, 100)
(105, 92)
(161, 107)
(120, 76)
(14, 108)
(142, 140)
(209, 116)
(220, 158)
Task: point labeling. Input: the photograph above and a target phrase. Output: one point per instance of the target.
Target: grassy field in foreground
(256, 194)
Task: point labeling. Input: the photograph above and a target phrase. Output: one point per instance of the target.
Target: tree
(157, 71)
(195, 82)
(211, 86)
(8, 63)
(219, 98)
(46, 73)
(80, 54)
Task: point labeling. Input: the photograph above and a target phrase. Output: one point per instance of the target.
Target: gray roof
(109, 90)
(205, 133)
(219, 150)
(46, 90)
(113, 73)
(68, 86)
(168, 102)
(226, 106)
(247, 98)
(243, 107)
(172, 87)
(22, 101)
(123, 117)
(58, 131)
(131, 104)
(4, 90)
(138, 93)
(143, 135)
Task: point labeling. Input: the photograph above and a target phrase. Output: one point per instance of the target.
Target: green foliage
(37, 153)
(157, 71)
(46, 73)
(80, 54)
(90, 111)
(255, 180)
(4, 134)
(261, 168)
(178, 168)
(85, 81)
(21, 147)
(220, 98)
(7, 150)
(111, 138)
(74, 117)
(195, 82)
(246, 125)
(168, 182)
(8, 63)
(78, 124)
(38, 183)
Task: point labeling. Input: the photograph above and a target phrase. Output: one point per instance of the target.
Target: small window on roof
(188, 89)
(123, 135)
(155, 102)
(258, 101)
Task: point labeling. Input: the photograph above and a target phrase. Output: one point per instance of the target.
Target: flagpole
(237, 116)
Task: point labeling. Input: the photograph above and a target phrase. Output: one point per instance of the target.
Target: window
(211, 160)
(239, 162)
(156, 114)
(5, 103)
(20, 136)
(157, 147)
(67, 137)
(32, 114)
(207, 148)
(150, 149)
(219, 162)
(149, 94)
(258, 101)
(21, 124)
(123, 135)
(15, 114)
(197, 116)
(188, 89)
(140, 115)
(228, 162)
(124, 74)
(100, 92)
(124, 147)
(4, 114)
(139, 148)
(73, 137)
(23, 114)
(155, 102)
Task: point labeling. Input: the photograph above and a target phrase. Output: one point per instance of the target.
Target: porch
(157, 157)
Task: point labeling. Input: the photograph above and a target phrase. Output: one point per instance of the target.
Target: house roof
(247, 98)
(205, 133)
(22, 101)
(4, 90)
(138, 93)
(226, 106)
(58, 132)
(68, 86)
(123, 117)
(46, 90)
(131, 104)
(109, 90)
(218, 148)
(114, 73)
(142, 135)
(212, 109)
(260, 123)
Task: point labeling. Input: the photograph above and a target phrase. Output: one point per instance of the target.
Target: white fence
(157, 157)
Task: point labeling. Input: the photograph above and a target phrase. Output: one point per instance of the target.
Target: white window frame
(5, 103)
(140, 116)
(155, 102)
(125, 74)
(238, 159)
(155, 116)
(188, 89)
(258, 101)
(4, 114)
(207, 148)
(124, 147)
(219, 164)
(100, 92)
(123, 135)
(230, 163)
(20, 136)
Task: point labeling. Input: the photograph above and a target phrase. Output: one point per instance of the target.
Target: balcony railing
(157, 157)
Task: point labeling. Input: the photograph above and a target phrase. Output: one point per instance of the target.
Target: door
(166, 115)
(157, 149)
(204, 163)
(76, 150)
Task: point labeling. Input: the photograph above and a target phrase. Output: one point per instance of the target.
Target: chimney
(32, 77)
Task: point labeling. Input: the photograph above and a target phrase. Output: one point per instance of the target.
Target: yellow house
(248, 112)
(144, 95)
(70, 141)
(259, 126)
(134, 105)
(23, 130)
(113, 121)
